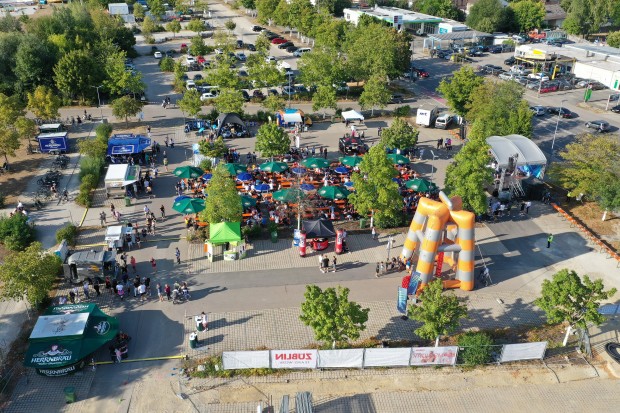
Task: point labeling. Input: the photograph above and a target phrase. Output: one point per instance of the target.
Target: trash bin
(193, 340)
(70, 396)
(362, 222)
(127, 201)
(274, 236)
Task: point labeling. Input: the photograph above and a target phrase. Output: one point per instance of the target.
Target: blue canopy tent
(127, 144)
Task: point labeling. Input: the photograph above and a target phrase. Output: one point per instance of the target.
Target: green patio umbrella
(188, 172)
(274, 166)
(334, 192)
(421, 185)
(247, 201)
(288, 195)
(233, 168)
(351, 160)
(398, 159)
(315, 163)
(189, 205)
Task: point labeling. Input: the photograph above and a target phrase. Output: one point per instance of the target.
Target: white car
(190, 84)
(539, 76)
(270, 59)
(219, 51)
(209, 95)
(507, 76)
(190, 60)
(157, 55)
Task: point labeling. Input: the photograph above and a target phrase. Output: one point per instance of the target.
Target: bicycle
(64, 197)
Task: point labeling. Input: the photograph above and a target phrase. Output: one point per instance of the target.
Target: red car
(278, 40)
(547, 89)
(200, 59)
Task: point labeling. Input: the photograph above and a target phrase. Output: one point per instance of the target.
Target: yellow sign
(538, 52)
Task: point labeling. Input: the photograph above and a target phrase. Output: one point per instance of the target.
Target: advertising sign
(245, 359)
(293, 359)
(524, 351)
(433, 356)
(385, 357)
(349, 358)
(401, 304)
(53, 143)
(122, 149)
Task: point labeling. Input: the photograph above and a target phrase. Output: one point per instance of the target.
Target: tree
(197, 46)
(273, 103)
(331, 315)
(324, 98)
(486, 16)
(266, 9)
(568, 298)
(468, 174)
(156, 8)
(196, 25)
(262, 44)
(613, 39)
(520, 121)
(271, 140)
(126, 106)
(120, 81)
(29, 274)
(587, 16)
(33, 61)
(439, 8)
(138, 11)
(222, 75)
(249, 4)
(190, 103)
(591, 166)
(321, 67)
(44, 103)
(75, 73)
(167, 64)
(375, 191)
(148, 26)
(375, 93)
(174, 26)
(215, 149)
(459, 89)
(440, 313)
(400, 135)
(263, 73)
(529, 14)
(15, 232)
(223, 201)
(9, 24)
(96, 148)
(229, 101)
(230, 25)
(10, 137)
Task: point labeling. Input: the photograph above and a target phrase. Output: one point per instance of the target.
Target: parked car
(496, 49)
(507, 76)
(563, 112)
(615, 109)
(246, 95)
(250, 47)
(285, 45)
(539, 76)
(292, 49)
(241, 57)
(599, 125)
(239, 44)
(190, 60)
(257, 28)
(157, 55)
(288, 90)
(243, 73)
(491, 68)
(270, 59)
(272, 92)
(396, 98)
(273, 36)
(200, 59)
(510, 61)
(219, 51)
(538, 110)
(278, 40)
(197, 76)
(549, 87)
(257, 94)
(421, 72)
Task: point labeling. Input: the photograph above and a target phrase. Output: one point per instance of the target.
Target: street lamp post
(557, 123)
(99, 101)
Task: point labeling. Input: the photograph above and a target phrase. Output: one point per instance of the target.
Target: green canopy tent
(224, 232)
(65, 336)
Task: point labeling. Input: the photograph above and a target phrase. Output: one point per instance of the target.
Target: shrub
(15, 232)
(402, 111)
(83, 198)
(166, 64)
(68, 232)
(89, 182)
(149, 39)
(91, 166)
(475, 348)
(206, 164)
(252, 232)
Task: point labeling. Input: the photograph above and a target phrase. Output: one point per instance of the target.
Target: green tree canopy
(196, 25)
(119, 80)
(439, 8)
(569, 298)
(230, 25)
(459, 89)
(197, 46)
(262, 45)
(15, 232)
(44, 103)
(263, 73)
(229, 101)
(613, 39)
(324, 98)
(273, 103)
(96, 148)
(486, 16)
(75, 73)
(222, 75)
(529, 14)
(374, 189)
(321, 67)
(138, 11)
(439, 313)
(376, 93)
(174, 26)
(215, 149)
(223, 203)
(400, 135)
(11, 112)
(468, 175)
(29, 274)
(331, 315)
(190, 103)
(266, 9)
(272, 140)
(591, 166)
(156, 7)
(126, 106)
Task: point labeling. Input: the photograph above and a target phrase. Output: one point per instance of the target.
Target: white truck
(426, 116)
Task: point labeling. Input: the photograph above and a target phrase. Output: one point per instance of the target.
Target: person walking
(204, 321)
(132, 261)
(374, 233)
(142, 291)
(326, 262)
(549, 240)
(321, 262)
(160, 293)
(528, 204)
(154, 265)
(177, 254)
(86, 288)
(72, 296)
(102, 219)
(377, 269)
(96, 286)
(163, 212)
(334, 263)
(147, 284)
(168, 291)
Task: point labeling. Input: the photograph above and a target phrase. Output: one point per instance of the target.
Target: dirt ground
(590, 215)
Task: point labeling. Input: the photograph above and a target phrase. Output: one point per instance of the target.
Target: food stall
(65, 337)
(88, 264)
(115, 237)
(225, 241)
(318, 233)
(118, 177)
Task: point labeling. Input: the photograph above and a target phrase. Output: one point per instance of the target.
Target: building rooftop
(388, 13)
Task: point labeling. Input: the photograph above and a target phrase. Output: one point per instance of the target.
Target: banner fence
(369, 357)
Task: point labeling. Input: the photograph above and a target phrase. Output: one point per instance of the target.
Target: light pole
(557, 123)
(289, 89)
(99, 101)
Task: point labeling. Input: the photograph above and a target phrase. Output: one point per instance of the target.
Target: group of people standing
(324, 263)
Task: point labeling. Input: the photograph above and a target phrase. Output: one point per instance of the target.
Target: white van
(444, 121)
(301, 51)
(426, 116)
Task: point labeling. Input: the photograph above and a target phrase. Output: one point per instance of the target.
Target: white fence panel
(352, 358)
(525, 351)
(293, 359)
(245, 359)
(434, 356)
(384, 357)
